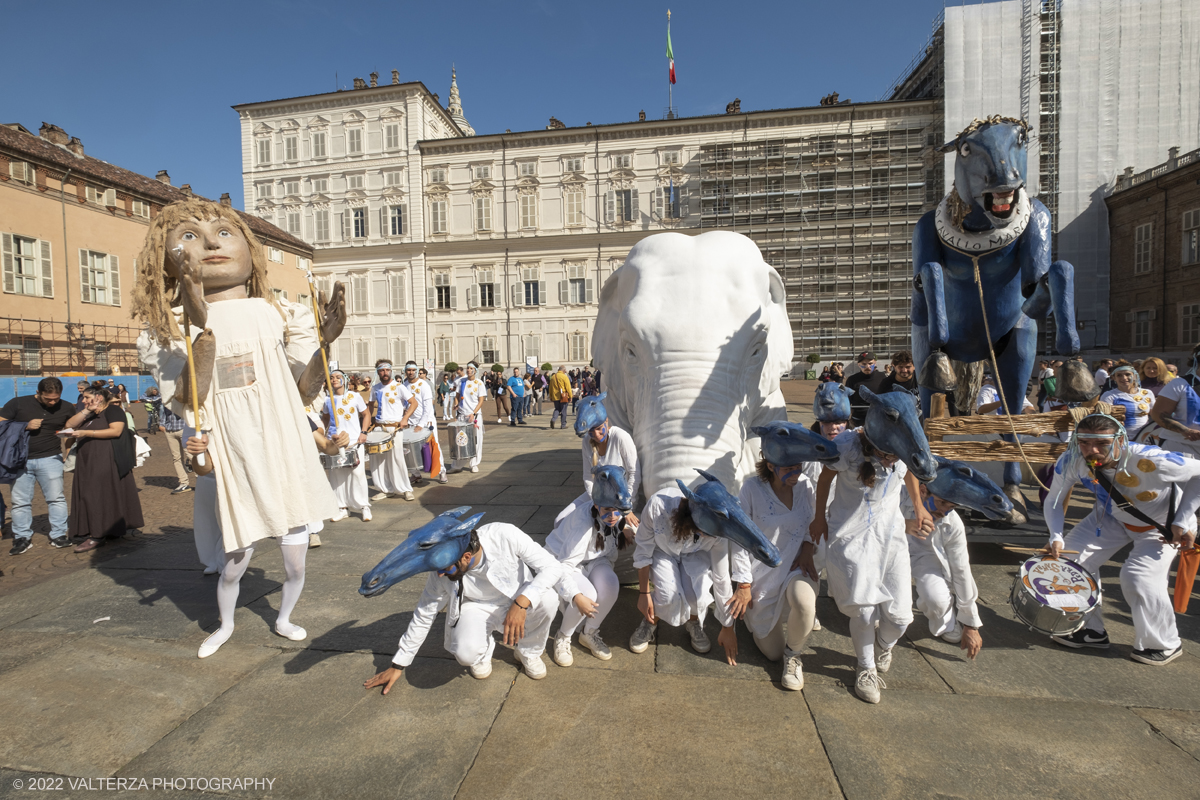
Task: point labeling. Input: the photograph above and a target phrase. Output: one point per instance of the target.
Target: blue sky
(149, 85)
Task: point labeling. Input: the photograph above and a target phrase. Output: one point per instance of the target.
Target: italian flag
(670, 53)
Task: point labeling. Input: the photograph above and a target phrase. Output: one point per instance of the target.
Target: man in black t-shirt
(45, 414)
(866, 376)
(904, 375)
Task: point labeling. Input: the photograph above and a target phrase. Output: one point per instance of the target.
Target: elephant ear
(868, 395)
(687, 493)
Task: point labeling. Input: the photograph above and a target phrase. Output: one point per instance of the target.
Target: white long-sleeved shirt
(573, 543)
(1153, 474)
(513, 564)
(621, 452)
(948, 546)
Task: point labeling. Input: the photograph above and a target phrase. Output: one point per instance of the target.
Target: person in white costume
(586, 537)
(1154, 483)
(425, 418)
(349, 415)
(605, 444)
(1129, 394)
(689, 569)
(866, 561)
(256, 365)
(471, 395)
(778, 604)
(1176, 413)
(502, 582)
(946, 591)
(392, 405)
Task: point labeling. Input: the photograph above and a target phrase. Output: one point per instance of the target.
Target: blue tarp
(11, 387)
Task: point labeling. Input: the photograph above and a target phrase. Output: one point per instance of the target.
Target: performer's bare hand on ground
(972, 642)
(727, 638)
(386, 679)
(514, 624)
(646, 606)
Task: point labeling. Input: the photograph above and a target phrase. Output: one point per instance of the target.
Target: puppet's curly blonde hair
(154, 290)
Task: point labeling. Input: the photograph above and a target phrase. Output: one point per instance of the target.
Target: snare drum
(380, 440)
(346, 458)
(411, 441)
(1054, 596)
(462, 440)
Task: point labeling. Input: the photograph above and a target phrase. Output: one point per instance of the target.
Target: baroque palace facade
(454, 246)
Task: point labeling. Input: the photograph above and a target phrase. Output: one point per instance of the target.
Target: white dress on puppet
(867, 561)
(388, 470)
(621, 452)
(787, 529)
(264, 458)
(946, 591)
(688, 575)
(349, 484)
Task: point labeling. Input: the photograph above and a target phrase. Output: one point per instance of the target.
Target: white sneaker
(213, 643)
(340, 515)
(483, 669)
(868, 684)
(954, 635)
(366, 514)
(816, 624)
(474, 469)
(314, 540)
(793, 674)
(380, 496)
(535, 668)
(409, 496)
(883, 658)
(593, 642)
(562, 651)
(500, 421)
(700, 642)
(642, 637)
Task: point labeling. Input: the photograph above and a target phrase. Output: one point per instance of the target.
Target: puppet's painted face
(214, 250)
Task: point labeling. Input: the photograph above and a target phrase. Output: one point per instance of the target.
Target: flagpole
(670, 88)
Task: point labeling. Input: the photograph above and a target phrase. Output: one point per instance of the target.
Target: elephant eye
(964, 150)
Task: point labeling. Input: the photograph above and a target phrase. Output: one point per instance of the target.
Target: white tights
(229, 586)
(864, 636)
(599, 583)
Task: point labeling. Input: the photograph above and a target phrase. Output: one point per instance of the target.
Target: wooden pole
(191, 363)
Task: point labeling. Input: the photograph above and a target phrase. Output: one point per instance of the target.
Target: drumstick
(312, 288)
(1014, 548)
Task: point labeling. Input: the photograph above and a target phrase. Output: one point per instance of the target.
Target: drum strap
(1128, 508)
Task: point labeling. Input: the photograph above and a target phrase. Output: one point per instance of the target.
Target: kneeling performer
(586, 537)
(1136, 487)
(490, 578)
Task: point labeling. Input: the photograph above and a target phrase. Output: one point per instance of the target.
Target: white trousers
(935, 596)
(389, 472)
(206, 525)
(682, 586)
(597, 580)
(462, 463)
(349, 484)
(1143, 577)
(448, 406)
(469, 638)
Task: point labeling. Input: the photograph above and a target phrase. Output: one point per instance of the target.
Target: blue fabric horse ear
(708, 476)
(687, 493)
(867, 394)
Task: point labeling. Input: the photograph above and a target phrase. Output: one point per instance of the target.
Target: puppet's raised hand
(204, 353)
(191, 289)
(333, 313)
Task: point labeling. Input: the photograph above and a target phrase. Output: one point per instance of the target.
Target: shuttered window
(27, 266)
(99, 278)
(396, 292)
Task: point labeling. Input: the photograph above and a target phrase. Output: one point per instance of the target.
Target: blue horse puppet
(832, 403)
(718, 513)
(988, 230)
(432, 547)
(592, 413)
(787, 444)
(892, 426)
(961, 484)
(609, 489)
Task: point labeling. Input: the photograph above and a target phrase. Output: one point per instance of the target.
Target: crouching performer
(490, 578)
(946, 591)
(779, 604)
(1146, 497)
(586, 537)
(867, 559)
(684, 545)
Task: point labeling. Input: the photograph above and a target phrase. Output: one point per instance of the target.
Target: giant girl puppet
(256, 365)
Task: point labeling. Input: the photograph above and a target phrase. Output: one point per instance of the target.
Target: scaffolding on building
(834, 213)
(49, 347)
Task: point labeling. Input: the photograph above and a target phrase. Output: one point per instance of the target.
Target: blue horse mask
(591, 413)
(832, 403)
(963, 485)
(718, 513)
(609, 489)
(433, 547)
(786, 444)
(892, 425)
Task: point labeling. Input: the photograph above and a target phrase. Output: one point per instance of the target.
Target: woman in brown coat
(104, 496)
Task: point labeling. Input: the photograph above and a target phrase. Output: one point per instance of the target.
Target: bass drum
(1054, 596)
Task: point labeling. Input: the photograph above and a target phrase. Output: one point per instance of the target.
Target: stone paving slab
(50, 595)
(1181, 727)
(589, 733)
(92, 705)
(993, 747)
(15, 783)
(17, 647)
(418, 741)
